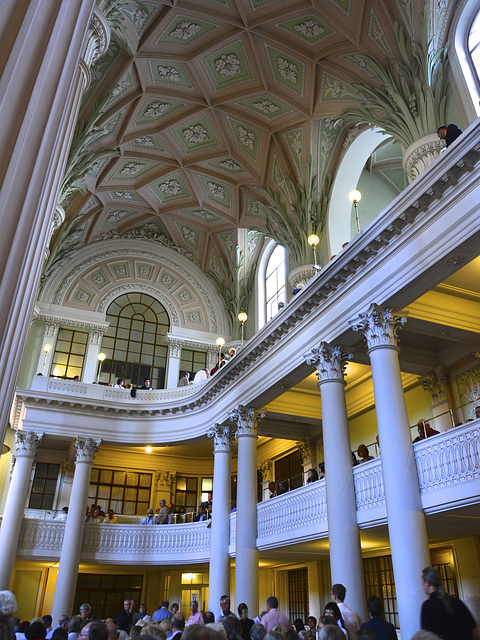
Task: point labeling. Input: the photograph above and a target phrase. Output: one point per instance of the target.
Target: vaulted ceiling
(220, 98)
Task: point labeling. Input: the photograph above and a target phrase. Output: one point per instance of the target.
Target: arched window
(474, 45)
(275, 277)
(465, 57)
(135, 341)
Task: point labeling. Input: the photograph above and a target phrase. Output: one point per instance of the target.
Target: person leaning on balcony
(110, 519)
(184, 380)
(424, 431)
(146, 385)
(363, 453)
(312, 475)
(162, 517)
(477, 412)
(449, 134)
(149, 518)
(120, 384)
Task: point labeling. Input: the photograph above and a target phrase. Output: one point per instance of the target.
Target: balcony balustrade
(448, 470)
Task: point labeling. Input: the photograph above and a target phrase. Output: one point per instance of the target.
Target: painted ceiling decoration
(199, 106)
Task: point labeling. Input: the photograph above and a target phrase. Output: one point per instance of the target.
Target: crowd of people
(204, 374)
(442, 617)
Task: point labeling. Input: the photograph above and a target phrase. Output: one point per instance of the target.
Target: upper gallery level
(403, 258)
(448, 467)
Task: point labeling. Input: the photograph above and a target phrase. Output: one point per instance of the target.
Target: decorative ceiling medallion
(216, 190)
(335, 90)
(82, 296)
(247, 138)
(168, 72)
(167, 279)
(201, 214)
(228, 66)
(265, 106)
(228, 164)
(171, 188)
(115, 215)
(307, 28)
(252, 207)
(196, 135)
(156, 109)
(127, 196)
(193, 317)
(146, 142)
(286, 70)
(144, 271)
(190, 235)
(184, 296)
(132, 169)
(184, 30)
(98, 279)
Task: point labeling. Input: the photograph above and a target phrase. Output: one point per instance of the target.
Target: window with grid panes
(474, 46)
(106, 593)
(186, 493)
(275, 278)
(44, 486)
(192, 361)
(442, 560)
(135, 341)
(70, 348)
(126, 492)
(378, 576)
(289, 470)
(298, 594)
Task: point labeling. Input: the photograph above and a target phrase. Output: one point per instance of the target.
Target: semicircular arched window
(135, 341)
(275, 280)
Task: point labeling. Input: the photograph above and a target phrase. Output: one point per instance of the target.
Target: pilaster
(436, 382)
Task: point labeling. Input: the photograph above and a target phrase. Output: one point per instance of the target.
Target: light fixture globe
(47, 347)
(354, 196)
(242, 316)
(101, 357)
(220, 342)
(313, 240)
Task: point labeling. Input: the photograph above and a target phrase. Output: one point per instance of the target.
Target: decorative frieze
(85, 449)
(222, 438)
(247, 420)
(379, 326)
(26, 443)
(330, 362)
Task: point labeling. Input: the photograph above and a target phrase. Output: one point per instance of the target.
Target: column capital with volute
(85, 449)
(379, 327)
(222, 437)
(330, 361)
(26, 443)
(247, 420)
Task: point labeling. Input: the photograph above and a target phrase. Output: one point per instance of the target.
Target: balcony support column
(219, 579)
(246, 554)
(343, 533)
(26, 444)
(86, 449)
(406, 520)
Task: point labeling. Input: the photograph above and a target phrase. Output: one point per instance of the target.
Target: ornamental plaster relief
(169, 277)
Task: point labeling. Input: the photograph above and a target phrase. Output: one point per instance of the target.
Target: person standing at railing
(150, 518)
(424, 431)
(184, 380)
(146, 385)
(363, 453)
(162, 517)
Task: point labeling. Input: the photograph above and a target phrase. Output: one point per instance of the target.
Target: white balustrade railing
(102, 392)
(298, 514)
(449, 459)
(368, 481)
(448, 469)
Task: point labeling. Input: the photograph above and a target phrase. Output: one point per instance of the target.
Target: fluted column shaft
(406, 520)
(26, 444)
(41, 84)
(246, 553)
(74, 526)
(346, 565)
(219, 580)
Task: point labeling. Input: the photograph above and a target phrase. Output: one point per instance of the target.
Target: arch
(260, 300)
(340, 210)
(100, 271)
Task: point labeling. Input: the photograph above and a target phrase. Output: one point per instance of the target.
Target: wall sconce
(101, 357)
(242, 316)
(355, 197)
(313, 240)
(220, 343)
(46, 350)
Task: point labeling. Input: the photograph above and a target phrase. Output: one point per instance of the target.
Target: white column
(406, 521)
(26, 444)
(343, 534)
(41, 87)
(49, 337)
(435, 382)
(86, 449)
(90, 365)
(219, 579)
(246, 555)
(173, 367)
